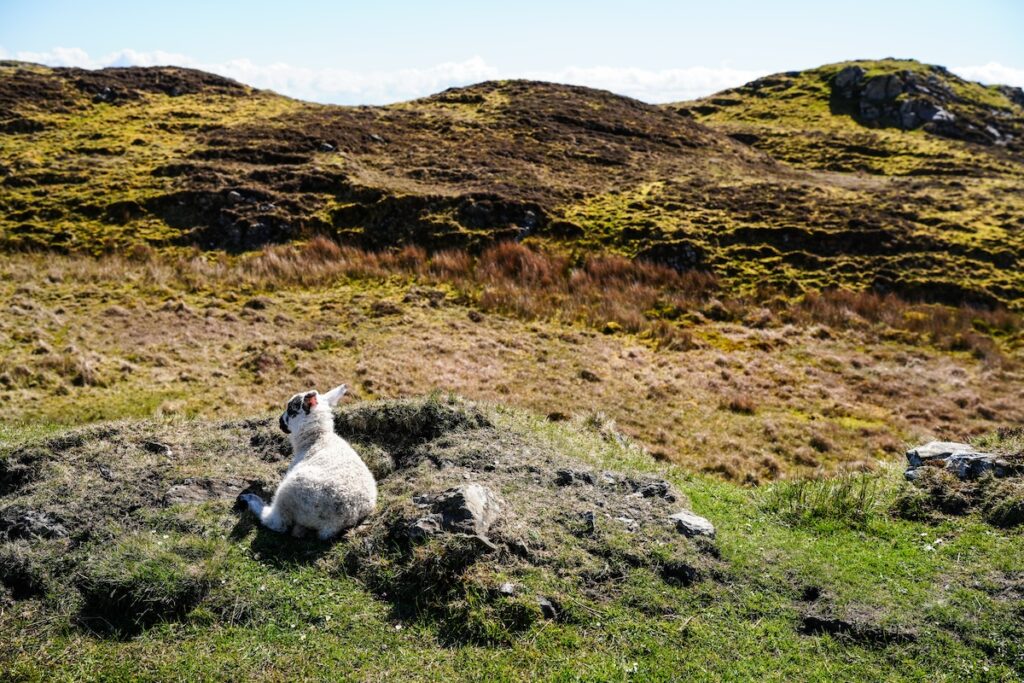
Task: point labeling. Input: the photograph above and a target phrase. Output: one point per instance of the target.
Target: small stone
(658, 489)
(507, 588)
(157, 447)
(547, 608)
(691, 525)
(589, 522)
(326, 147)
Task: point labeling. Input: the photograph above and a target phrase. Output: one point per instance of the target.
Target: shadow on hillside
(272, 548)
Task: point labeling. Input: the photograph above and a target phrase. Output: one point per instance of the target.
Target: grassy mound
(938, 492)
(580, 574)
(142, 580)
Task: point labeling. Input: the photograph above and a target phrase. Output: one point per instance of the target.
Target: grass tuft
(851, 499)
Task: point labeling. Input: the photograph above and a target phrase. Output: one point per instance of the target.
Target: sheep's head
(304, 405)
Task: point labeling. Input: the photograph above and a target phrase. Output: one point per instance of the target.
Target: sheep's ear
(334, 395)
(309, 401)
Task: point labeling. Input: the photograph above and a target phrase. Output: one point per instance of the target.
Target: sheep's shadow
(273, 548)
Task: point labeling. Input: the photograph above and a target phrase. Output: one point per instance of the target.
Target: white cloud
(664, 85)
(343, 86)
(993, 72)
(375, 87)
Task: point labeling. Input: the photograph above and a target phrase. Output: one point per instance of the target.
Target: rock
(1016, 95)
(156, 447)
(425, 527)
(589, 376)
(973, 465)
(912, 473)
(960, 459)
(937, 114)
(20, 522)
(658, 489)
(691, 525)
(326, 147)
(547, 608)
(935, 450)
(469, 509)
(589, 522)
(882, 88)
(197, 490)
(566, 477)
(849, 77)
(507, 588)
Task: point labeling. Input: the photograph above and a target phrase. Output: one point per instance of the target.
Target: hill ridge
(764, 185)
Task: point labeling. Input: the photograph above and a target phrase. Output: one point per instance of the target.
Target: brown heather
(607, 292)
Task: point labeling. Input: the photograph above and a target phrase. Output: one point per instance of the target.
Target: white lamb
(328, 487)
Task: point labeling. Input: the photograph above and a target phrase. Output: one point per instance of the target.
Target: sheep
(328, 487)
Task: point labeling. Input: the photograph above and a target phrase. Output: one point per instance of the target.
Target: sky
(378, 52)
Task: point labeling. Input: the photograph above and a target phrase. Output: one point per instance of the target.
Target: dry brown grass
(606, 292)
(963, 328)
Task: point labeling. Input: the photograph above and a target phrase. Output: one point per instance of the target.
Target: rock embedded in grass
(690, 525)
(470, 509)
(961, 459)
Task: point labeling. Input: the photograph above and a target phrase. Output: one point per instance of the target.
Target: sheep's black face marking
(293, 408)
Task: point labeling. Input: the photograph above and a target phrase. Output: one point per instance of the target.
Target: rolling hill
(889, 175)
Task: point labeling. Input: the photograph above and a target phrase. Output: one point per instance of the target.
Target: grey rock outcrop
(914, 98)
(960, 459)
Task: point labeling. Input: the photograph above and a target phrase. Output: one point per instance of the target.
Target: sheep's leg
(269, 515)
(299, 531)
(328, 532)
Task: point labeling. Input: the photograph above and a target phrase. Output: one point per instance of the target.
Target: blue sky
(375, 52)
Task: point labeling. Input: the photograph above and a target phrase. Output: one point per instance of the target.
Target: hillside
(772, 186)
(122, 556)
(600, 317)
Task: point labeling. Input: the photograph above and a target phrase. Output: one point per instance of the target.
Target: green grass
(230, 600)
